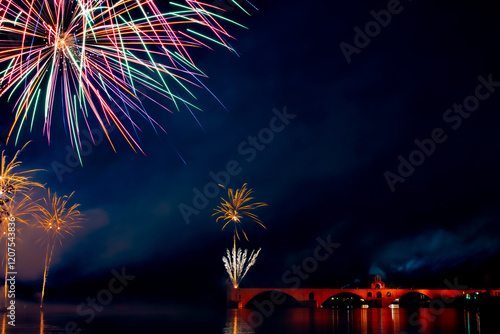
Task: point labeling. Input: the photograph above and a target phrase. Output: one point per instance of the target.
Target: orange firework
(236, 207)
(22, 211)
(58, 220)
(13, 181)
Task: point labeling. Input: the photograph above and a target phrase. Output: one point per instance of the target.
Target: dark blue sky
(323, 171)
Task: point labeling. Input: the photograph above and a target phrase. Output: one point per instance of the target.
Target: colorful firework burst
(57, 220)
(97, 55)
(236, 207)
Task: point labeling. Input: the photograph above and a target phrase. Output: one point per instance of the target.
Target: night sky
(386, 145)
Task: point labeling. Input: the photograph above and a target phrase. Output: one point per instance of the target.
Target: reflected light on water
(235, 324)
(356, 321)
(246, 321)
(364, 321)
(478, 320)
(469, 322)
(41, 322)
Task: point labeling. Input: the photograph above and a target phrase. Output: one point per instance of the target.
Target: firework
(236, 207)
(58, 221)
(22, 211)
(237, 264)
(98, 57)
(13, 181)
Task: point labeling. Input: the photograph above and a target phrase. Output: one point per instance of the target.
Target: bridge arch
(413, 298)
(276, 296)
(358, 296)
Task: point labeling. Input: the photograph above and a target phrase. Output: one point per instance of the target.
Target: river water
(153, 319)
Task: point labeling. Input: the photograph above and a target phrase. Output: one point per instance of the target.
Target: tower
(377, 283)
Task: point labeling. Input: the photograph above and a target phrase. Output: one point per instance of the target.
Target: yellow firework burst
(57, 219)
(13, 180)
(21, 211)
(236, 207)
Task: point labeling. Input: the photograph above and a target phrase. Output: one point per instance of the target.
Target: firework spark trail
(251, 261)
(48, 259)
(57, 220)
(237, 264)
(227, 264)
(13, 181)
(99, 52)
(235, 208)
(241, 261)
(229, 268)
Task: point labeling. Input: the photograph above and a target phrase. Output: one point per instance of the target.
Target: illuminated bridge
(378, 294)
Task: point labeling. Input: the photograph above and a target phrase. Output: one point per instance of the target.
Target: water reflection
(478, 320)
(245, 321)
(235, 324)
(41, 322)
(355, 321)
(472, 320)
